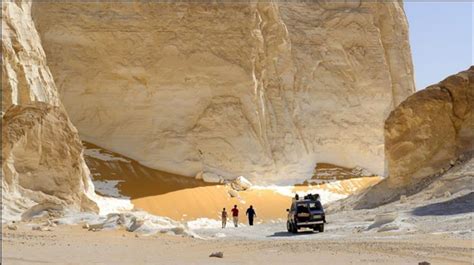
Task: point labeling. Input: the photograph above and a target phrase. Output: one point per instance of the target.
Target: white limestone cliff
(262, 90)
(42, 160)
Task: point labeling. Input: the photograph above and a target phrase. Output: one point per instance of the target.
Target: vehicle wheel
(294, 229)
(288, 226)
(321, 228)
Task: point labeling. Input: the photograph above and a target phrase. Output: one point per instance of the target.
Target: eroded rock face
(25, 75)
(431, 129)
(42, 157)
(263, 90)
(41, 151)
(426, 135)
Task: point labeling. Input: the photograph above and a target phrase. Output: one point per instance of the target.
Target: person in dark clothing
(251, 214)
(235, 215)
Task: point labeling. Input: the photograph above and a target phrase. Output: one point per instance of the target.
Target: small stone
(403, 199)
(233, 193)
(447, 194)
(218, 254)
(452, 162)
(86, 226)
(424, 263)
(36, 228)
(12, 227)
(178, 230)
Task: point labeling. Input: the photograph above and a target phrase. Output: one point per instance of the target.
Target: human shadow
(459, 205)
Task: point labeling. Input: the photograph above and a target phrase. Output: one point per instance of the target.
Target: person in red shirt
(235, 215)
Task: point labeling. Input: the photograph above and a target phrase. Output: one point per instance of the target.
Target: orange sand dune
(189, 204)
(185, 198)
(193, 203)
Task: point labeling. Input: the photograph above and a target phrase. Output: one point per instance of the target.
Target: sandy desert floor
(435, 225)
(261, 244)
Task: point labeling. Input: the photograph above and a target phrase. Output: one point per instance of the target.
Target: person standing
(251, 214)
(224, 218)
(235, 215)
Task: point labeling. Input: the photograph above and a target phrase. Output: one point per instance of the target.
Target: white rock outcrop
(241, 183)
(42, 162)
(263, 90)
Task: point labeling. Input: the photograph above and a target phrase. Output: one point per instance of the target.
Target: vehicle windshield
(302, 208)
(315, 206)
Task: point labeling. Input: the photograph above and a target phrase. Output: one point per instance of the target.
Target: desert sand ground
(434, 225)
(439, 231)
(268, 244)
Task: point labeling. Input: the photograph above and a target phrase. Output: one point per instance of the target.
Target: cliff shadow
(460, 205)
(131, 178)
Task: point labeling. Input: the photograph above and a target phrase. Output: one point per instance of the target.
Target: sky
(441, 39)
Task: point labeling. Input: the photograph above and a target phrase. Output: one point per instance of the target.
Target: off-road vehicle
(305, 213)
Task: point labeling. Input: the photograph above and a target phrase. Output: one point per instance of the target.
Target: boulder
(428, 132)
(211, 177)
(240, 183)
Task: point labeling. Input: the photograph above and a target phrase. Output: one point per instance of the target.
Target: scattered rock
(199, 175)
(40, 209)
(233, 193)
(86, 226)
(424, 263)
(39, 228)
(135, 224)
(218, 254)
(50, 223)
(388, 227)
(447, 194)
(12, 227)
(95, 227)
(178, 230)
(241, 183)
(381, 219)
(211, 177)
(403, 199)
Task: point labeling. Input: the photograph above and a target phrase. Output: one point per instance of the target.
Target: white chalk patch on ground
(282, 190)
(112, 205)
(203, 223)
(288, 191)
(109, 188)
(327, 196)
(97, 154)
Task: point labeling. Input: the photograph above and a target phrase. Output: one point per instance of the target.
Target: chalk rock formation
(262, 90)
(25, 76)
(326, 172)
(426, 135)
(430, 129)
(41, 151)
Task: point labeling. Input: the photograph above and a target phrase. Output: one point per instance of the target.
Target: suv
(305, 213)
